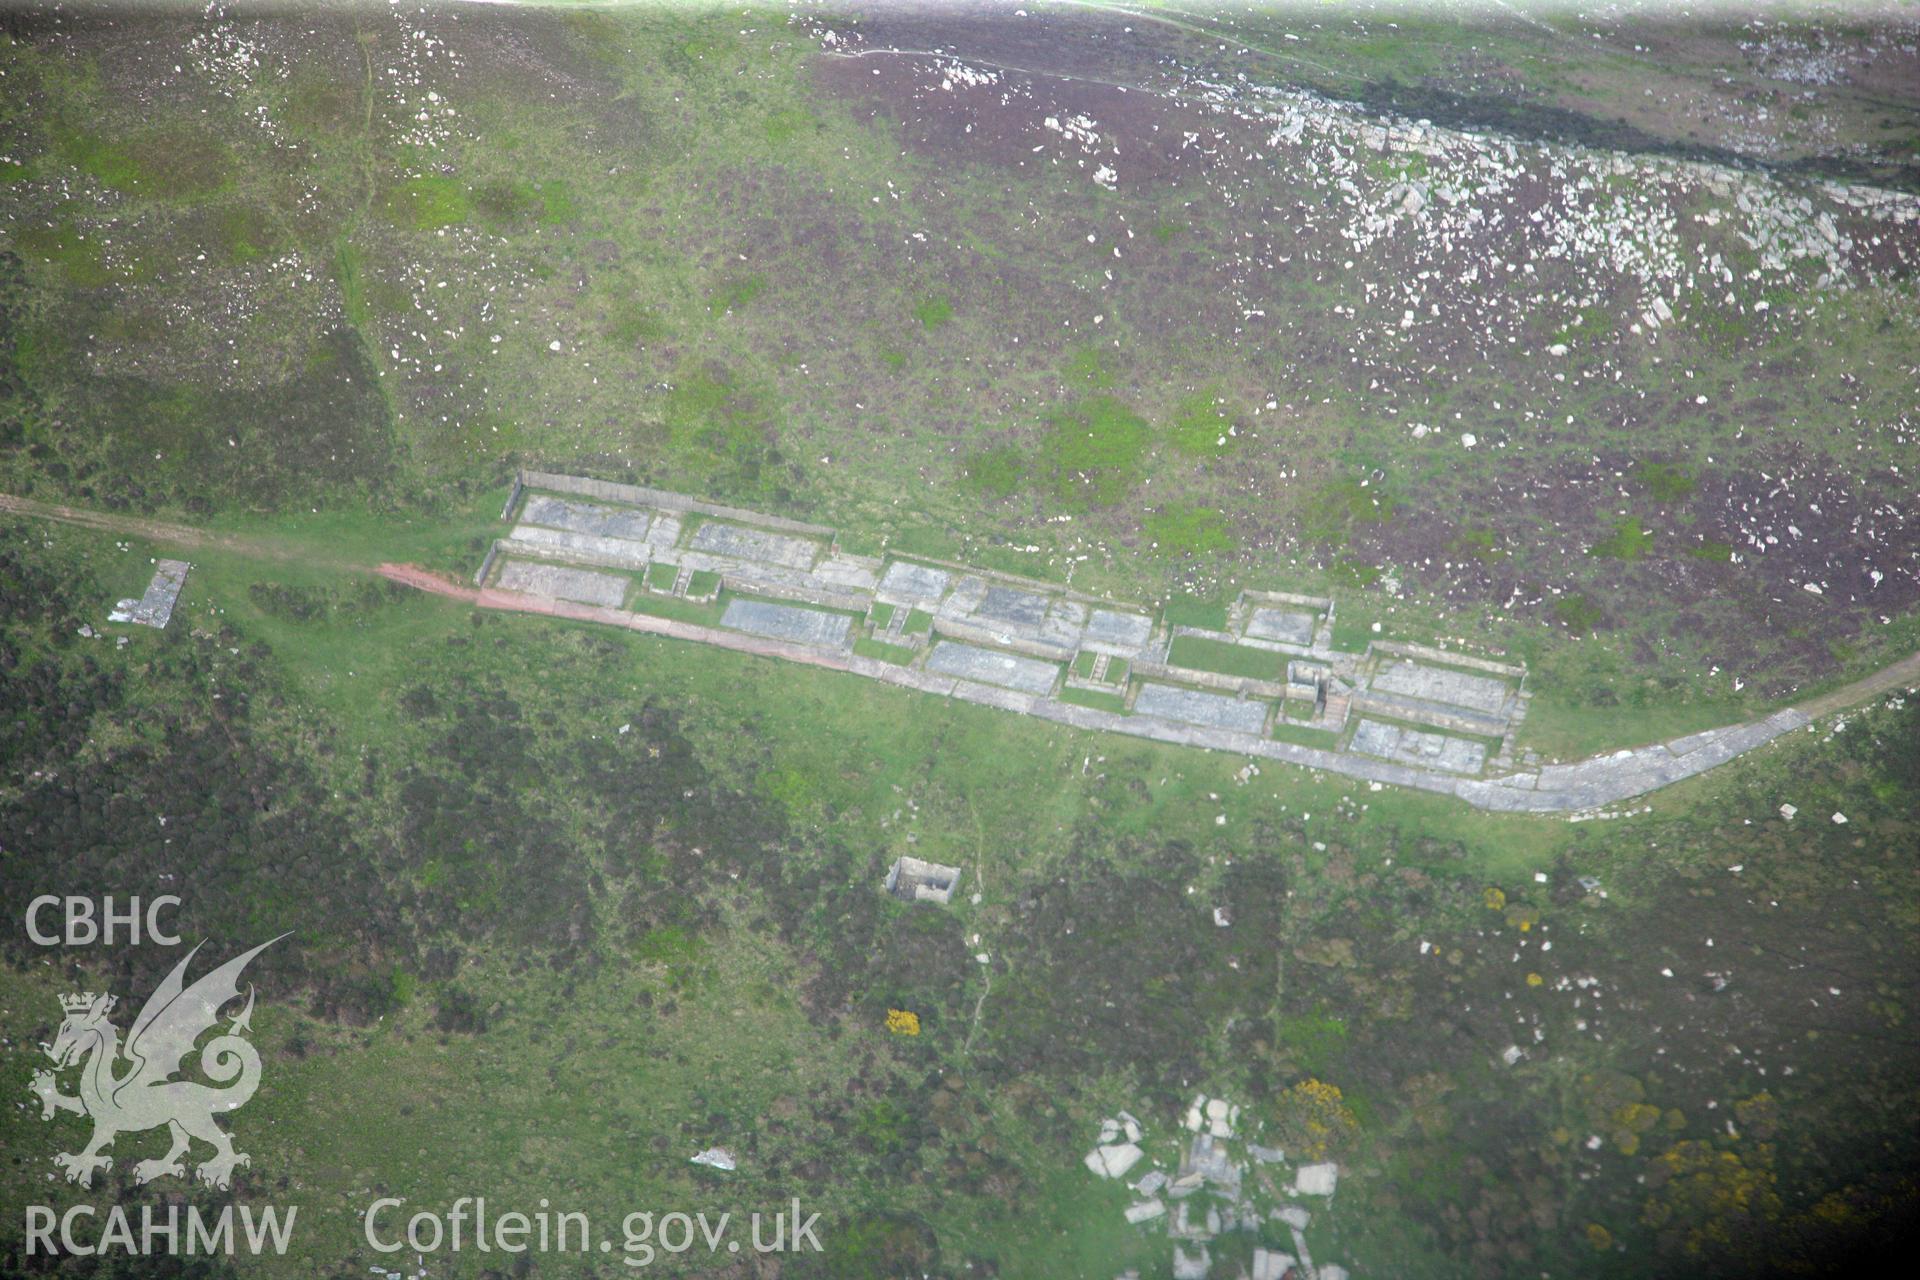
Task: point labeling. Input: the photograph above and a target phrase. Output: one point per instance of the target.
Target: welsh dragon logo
(144, 1094)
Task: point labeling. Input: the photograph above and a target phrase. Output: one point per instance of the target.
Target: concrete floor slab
(1190, 706)
(624, 550)
(586, 517)
(1410, 679)
(1418, 747)
(788, 622)
(557, 582)
(918, 583)
(991, 666)
(1111, 632)
(718, 538)
(1282, 625)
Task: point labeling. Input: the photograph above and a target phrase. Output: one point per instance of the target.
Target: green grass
(77, 256)
(1189, 531)
(1664, 482)
(1191, 611)
(702, 583)
(1331, 514)
(1301, 735)
(1577, 613)
(517, 202)
(919, 622)
(427, 204)
(933, 311)
(881, 616)
(735, 292)
(1628, 541)
(707, 613)
(661, 576)
(1098, 699)
(898, 654)
(1092, 450)
(997, 471)
(1200, 426)
(1198, 653)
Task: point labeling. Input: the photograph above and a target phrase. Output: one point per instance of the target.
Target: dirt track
(179, 535)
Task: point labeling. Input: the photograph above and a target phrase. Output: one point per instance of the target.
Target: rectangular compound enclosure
(990, 666)
(558, 582)
(1190, 706)
(788, 622)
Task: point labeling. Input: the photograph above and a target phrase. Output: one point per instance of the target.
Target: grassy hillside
(1069, 298)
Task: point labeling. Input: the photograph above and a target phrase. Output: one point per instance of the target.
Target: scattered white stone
(1839, 819)
(1146, 1211)
(1787, 811)
(715, 1158)
(1114, 1159)
(1316, 1179)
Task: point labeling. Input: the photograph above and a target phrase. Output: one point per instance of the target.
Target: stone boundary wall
(1318, 604)
(493, 553)
(1446, 657)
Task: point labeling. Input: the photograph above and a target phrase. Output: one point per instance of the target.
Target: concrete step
(681, 582)
(1100, 661)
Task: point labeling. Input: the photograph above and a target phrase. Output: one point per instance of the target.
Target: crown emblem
(79, 1003)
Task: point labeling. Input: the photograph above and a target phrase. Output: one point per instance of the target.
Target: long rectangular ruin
(1399, 713)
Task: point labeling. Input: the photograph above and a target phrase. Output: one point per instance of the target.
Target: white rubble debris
(1113, 1160)
(1316, 1179)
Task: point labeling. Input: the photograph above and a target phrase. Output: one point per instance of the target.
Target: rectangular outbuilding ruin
(154, 608)
(917, 880)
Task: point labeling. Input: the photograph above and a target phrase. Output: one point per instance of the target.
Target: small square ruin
(916, 880)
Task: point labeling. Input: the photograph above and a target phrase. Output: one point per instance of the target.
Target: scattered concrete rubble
(715, 1158)
(1217, 1186)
